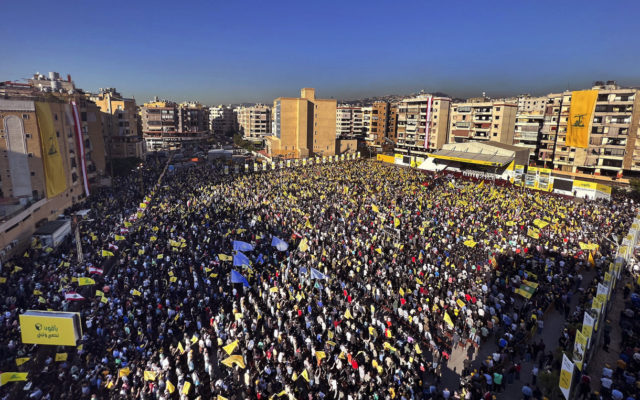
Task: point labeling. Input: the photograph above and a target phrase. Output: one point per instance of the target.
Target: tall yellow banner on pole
(55, 178)
(583, 104)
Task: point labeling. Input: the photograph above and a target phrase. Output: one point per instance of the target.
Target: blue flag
(240, 260)
(303, 270)
(315, 274)
(260, 259)
(237, 278)
(279, 244)
(239, 245)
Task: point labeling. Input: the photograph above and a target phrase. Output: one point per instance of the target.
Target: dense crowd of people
(354, 280)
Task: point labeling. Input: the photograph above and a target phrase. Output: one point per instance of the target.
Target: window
(495, 125)
(57, 134)
(55, 116)
(497, 117)
(497, 108)
(495, 133)
(25, 116)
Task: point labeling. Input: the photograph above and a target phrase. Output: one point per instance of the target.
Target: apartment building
(302, 127)
(531, 105)
(483, 121)
(169, 126)
(422, 124)
(349, 121)
(53, 153)
(612, 147)
(254, 123)
(222, 120)
(528, 128)
(119, 118)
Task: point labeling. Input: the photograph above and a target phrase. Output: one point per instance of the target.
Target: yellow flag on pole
(170, 387)
(230, 347)
(235, 359)
(448, 320)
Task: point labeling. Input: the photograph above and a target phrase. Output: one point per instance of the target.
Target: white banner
(566, 376)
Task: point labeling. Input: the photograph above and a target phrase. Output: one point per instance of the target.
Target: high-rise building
(222, 120)
(422, 124)
(302, 127)
(613, 131)
(483, 121)
(349, 121)
(528, 129)
(119, 118)
(254, 123)
(52, 138)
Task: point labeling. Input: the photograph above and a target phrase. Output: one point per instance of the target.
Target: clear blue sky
(250, 51)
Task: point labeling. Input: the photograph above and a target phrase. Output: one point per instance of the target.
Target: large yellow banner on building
(54, 176)
(50, 328)
(583, 103)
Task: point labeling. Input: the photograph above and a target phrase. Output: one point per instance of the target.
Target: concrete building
(119, 119)
(254, 123)
(377, 123)
(193, 117)
(528, 131)
(531, 105)
(422, 124)
(222, 120)
(302, 127)
(483, 121)
(167, 126)
(349, 121)
(612, 146)
(35, 185)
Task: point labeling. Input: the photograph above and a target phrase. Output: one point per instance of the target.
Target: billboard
(50, 327)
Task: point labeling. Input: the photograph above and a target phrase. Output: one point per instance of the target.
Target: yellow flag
(170, 387)
(55, 178)
(305, 375)
(583, 104)
(124, 372)
(274, 289)
(591, 261)
(99, 293)
(348, 315)
(417, 347)
(221, 398)
(160, 256)
(136, 293)
(7, 377)
(107, 253)
(180, 348)
(308, 225)
(230, 347)
(224, 257)
(448, 320)
(61, 356)
(379, 250)
(127, 224)
(85, 281)
(150, 375)
(320, 355)
(303, 246)
(118, 237)
(231, 360)
(22, 360)
(194, 339)
(153, 238)
(186, 387)
(375, 208)
(396, 222)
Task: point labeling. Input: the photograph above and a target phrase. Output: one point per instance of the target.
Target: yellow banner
(12, 377)
(55, 177)
(51, 330)
(583, 104)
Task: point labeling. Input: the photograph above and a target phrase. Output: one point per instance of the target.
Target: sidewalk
(553, 324)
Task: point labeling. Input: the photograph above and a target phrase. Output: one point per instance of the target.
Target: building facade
(167, 126)
(422, 124)
(302, 127)
(483, 121)
(222, 120)
(254, 123)
(119, 118)
(53, 154)
(349, 121)
(613, 136)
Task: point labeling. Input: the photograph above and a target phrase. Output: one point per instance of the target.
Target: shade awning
(472, 158)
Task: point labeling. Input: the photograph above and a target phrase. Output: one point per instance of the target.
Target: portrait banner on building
(80, 147)
(428, 122)
(583, 103)
(54, 174)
